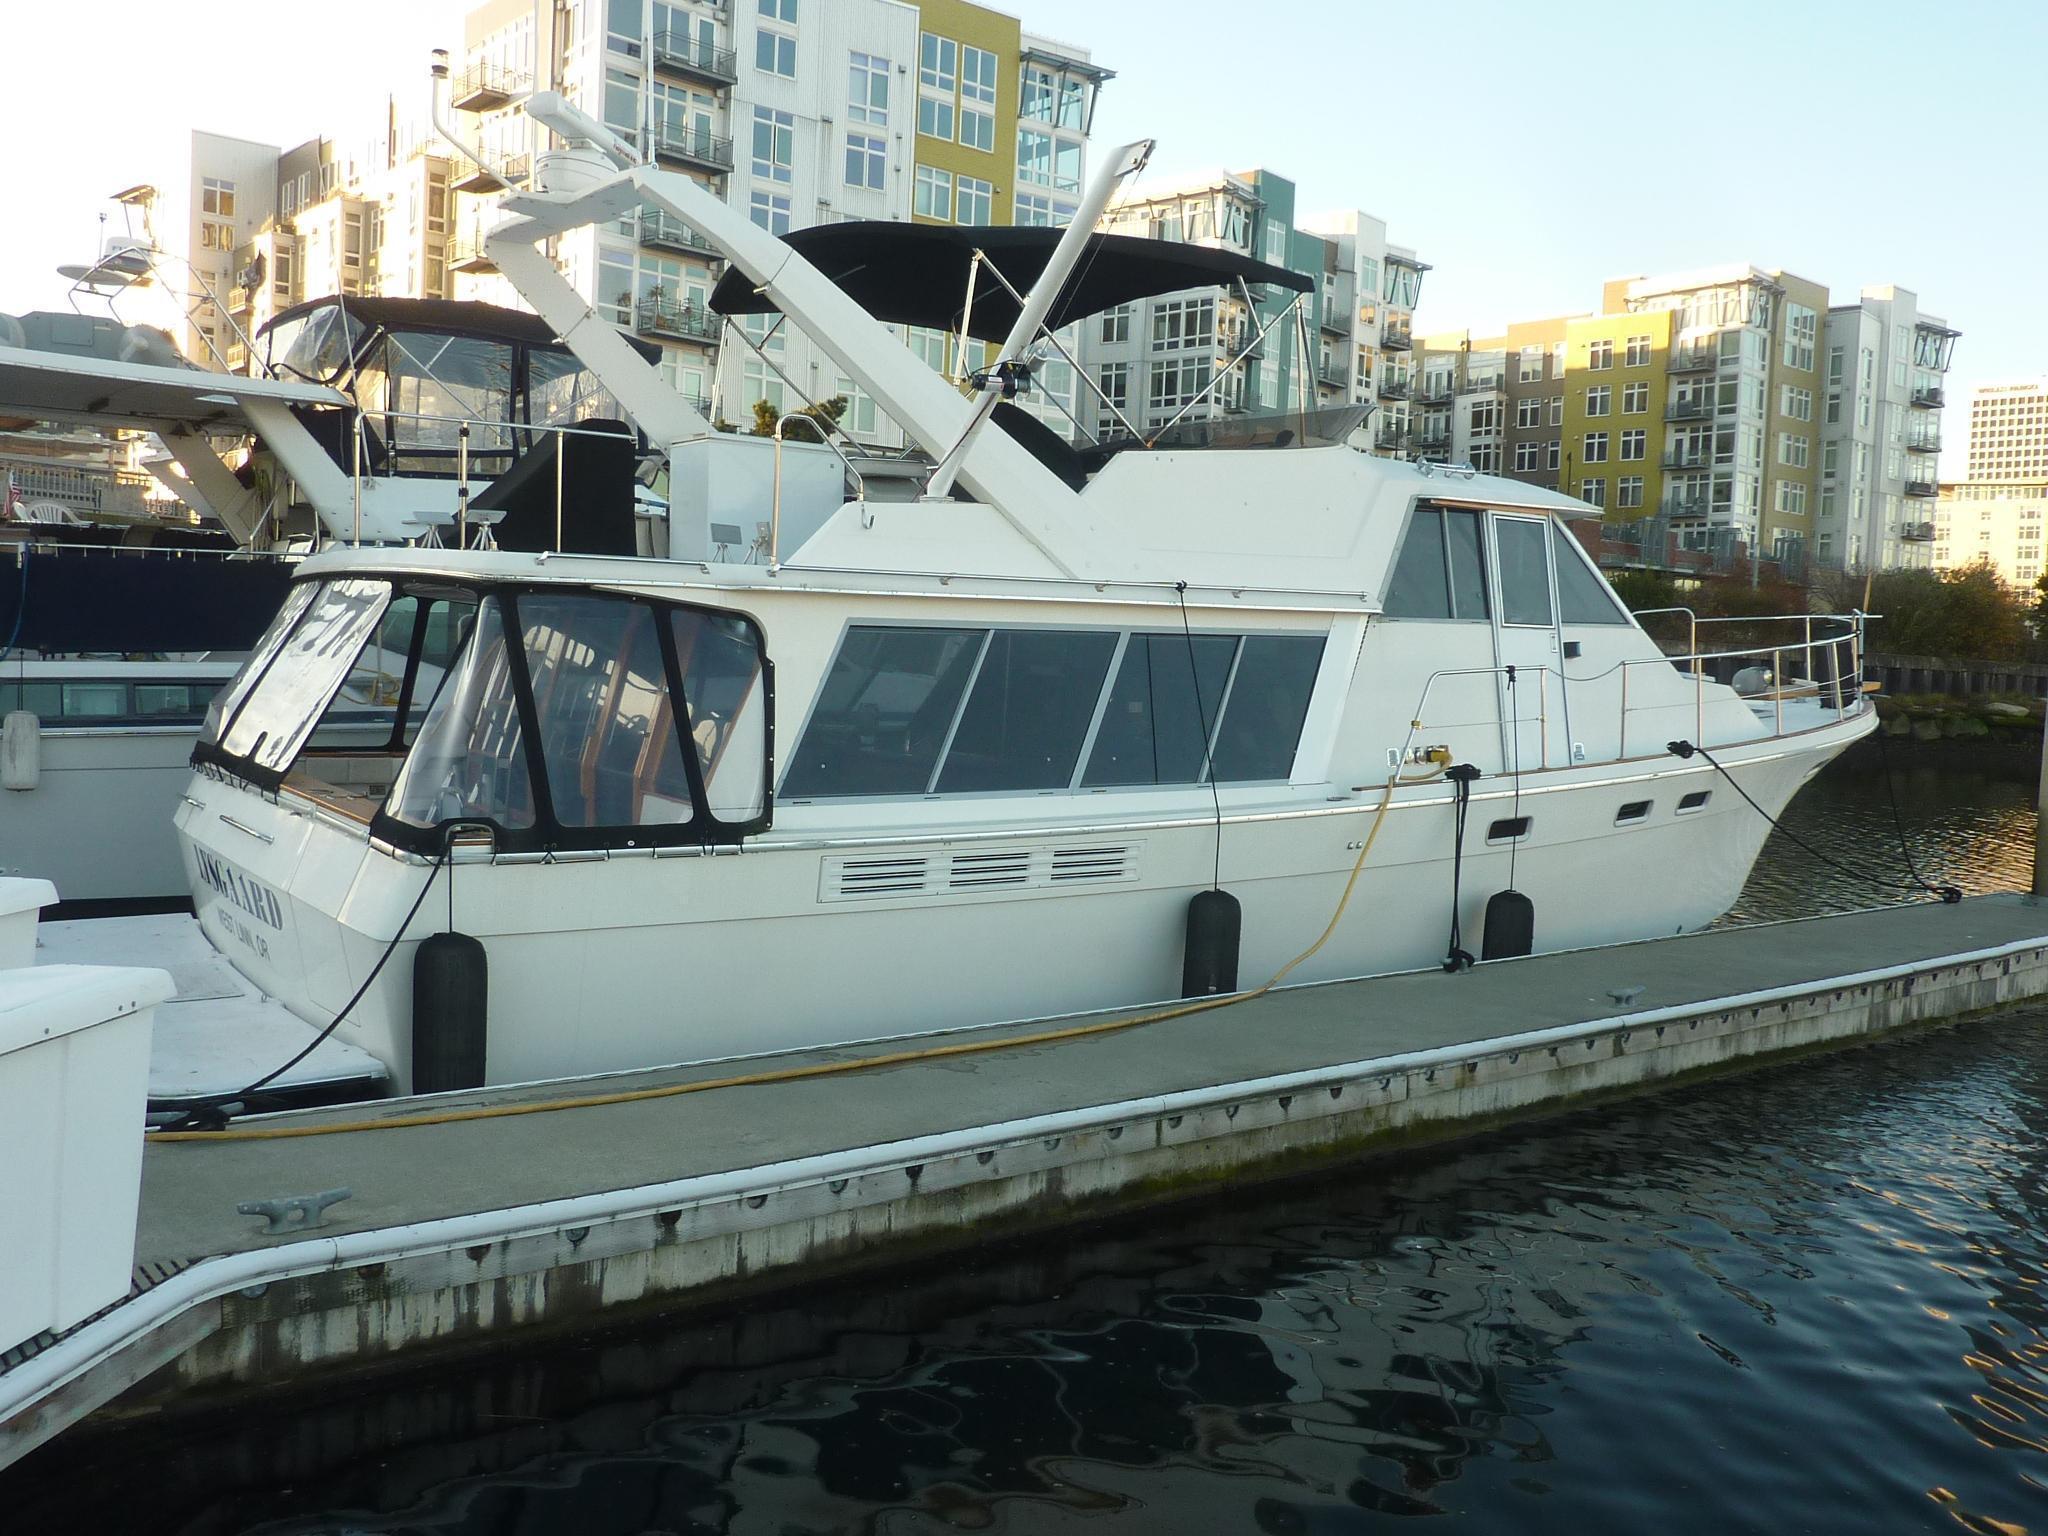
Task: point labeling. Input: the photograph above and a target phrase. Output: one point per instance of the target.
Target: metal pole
(775, 508)
(561, 450)
(356, 477)
(462, 486)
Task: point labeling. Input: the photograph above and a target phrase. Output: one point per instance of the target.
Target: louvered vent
(1074, 866)
(978, 871)
(897, 876)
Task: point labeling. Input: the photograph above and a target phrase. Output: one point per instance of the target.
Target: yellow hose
(825, 1068)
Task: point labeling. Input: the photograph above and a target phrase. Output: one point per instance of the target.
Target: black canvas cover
(61, 601)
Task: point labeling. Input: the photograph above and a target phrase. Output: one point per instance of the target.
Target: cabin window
(1634, 810)
(277, 715)
(1267, 702)
(1582, 597)
(727, 704)
(884, 712)
(470, 760)
(916, 711)
(1524, 570)
(1441, 572)
(1695, 801)
(1159, 720)
(1509, 829)
(104, 701)
(1028, 713)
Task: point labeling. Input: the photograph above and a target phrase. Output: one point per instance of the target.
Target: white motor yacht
(968, 757)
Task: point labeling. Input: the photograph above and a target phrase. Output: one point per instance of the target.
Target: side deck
(475, 1214)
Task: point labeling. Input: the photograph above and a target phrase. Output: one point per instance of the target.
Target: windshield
(273, 719)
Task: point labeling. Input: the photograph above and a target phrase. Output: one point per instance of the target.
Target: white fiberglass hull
(98, 823)
(613, 963)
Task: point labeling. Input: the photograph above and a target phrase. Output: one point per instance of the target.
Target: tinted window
(1582, 597)
(1268, 701)
(1524, 570)
(1156, 728)
(720, 660)
(1420, 589)
(1468, 565)
(884, 712)
(176, 700)
(90, 701)
(44, 700)
(1029, 712)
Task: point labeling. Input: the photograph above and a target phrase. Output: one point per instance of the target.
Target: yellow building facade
(1616, 411)
(968, 79)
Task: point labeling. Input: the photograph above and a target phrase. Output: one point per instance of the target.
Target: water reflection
(1809, 1299)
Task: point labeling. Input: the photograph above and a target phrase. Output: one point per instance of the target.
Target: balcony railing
(1703, 360)
(1917, 533)
(1929, 397)
(1397, 338)
(1337, 322)
(494, 178)
(681, 54)
(1922, 488)
(666, 234)
(1332, 374)
(691, 146)
(1436, 394)
(1395, 389)
(1688, 458)
(1924, 442)
(484, 88)
(1391, 437)
(1689, 410)
(657, 314)
(1427, 441)
(1686, 504)
(466, 254)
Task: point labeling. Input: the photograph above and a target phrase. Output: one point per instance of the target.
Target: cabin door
(1533, 731)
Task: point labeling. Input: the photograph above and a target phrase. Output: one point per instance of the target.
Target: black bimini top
(456, 317)
(916, 274)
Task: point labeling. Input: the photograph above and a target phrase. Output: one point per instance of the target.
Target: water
(1806, 1300)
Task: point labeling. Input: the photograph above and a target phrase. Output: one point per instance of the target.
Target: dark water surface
(1810, 1299)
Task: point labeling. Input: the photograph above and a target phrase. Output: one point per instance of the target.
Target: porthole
(1509, 829)
(1635, 810)
(1696, 801)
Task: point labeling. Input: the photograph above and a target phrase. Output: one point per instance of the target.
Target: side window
(1468, 564)
(1156, 726)
(364, 708)
(719, 656)
(1582, 597)
(278, 714)
(1524, 551)
(1420, 588)
(44, 700)
(1029, 712)
(884, 712)
(470, 760)
(1268, 701)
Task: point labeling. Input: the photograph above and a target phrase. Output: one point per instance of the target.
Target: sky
(1527, 152)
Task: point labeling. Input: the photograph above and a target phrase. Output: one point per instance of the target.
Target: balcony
(1436, 394)
(1922, 488)
(1686, 504)
(687, 146)
(466, 254)
(488, 178)
(1433, 440)
(1688, 458)
(1689, 410)
(1924, 442)
(1703, 360)
(1928, 397)
(1332, 375)
(1336, 322)
(1393, 438)
(1394, 389)
(659, 314)
(678, 53)
(662, 233)
(484, 88)
(1917, 533)
(1397, 338)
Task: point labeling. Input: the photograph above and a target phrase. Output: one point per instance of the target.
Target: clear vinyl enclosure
(558, 716)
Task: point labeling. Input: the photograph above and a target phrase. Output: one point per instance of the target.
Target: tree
(824, 416)
(1966, 614)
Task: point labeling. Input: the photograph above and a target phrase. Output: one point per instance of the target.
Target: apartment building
(1996, 522)
(2009, 433)
(799, 111)
(1881, 431)
(1495, 402)
(1629, 418)
(1366, 317)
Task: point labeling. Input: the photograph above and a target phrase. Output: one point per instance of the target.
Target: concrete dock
(687, 1187)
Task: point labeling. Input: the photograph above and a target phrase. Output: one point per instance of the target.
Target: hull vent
(976, 871)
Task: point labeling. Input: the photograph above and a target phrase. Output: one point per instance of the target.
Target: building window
(1635, 399)
(1033, 208)
(1634, 445)
(1593, 492)
(1599, 399)
(865, 154)
(1529, 365)
(1115, 379)
(1529, 413)
(1637, 356)
(775, 47)
(1184, 323)
(1528, 457)
(867, 90)
(1486, 416)
(976, 201)
(624, 22)
(1600, 354)
(977, 98)
(1557, 410)
(1798, 403)
(1794, 449)
(1175, 382)
(771, 211)
(1116, 323)
(217, 197)
(1791, 497)
(774, 144)
(1628, 490)
(933, 196)
(1596, 448)
(1552, 450)
(938, 79)
(215, 236)
(1801, 325)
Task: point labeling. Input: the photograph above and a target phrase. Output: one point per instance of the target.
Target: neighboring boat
(971, 757)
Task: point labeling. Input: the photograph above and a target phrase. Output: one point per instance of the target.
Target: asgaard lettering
(258, 901)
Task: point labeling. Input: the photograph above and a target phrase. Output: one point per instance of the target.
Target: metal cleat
(294, 1213)
(1625, 995)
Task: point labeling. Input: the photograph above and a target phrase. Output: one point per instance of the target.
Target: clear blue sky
(1526, 151)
